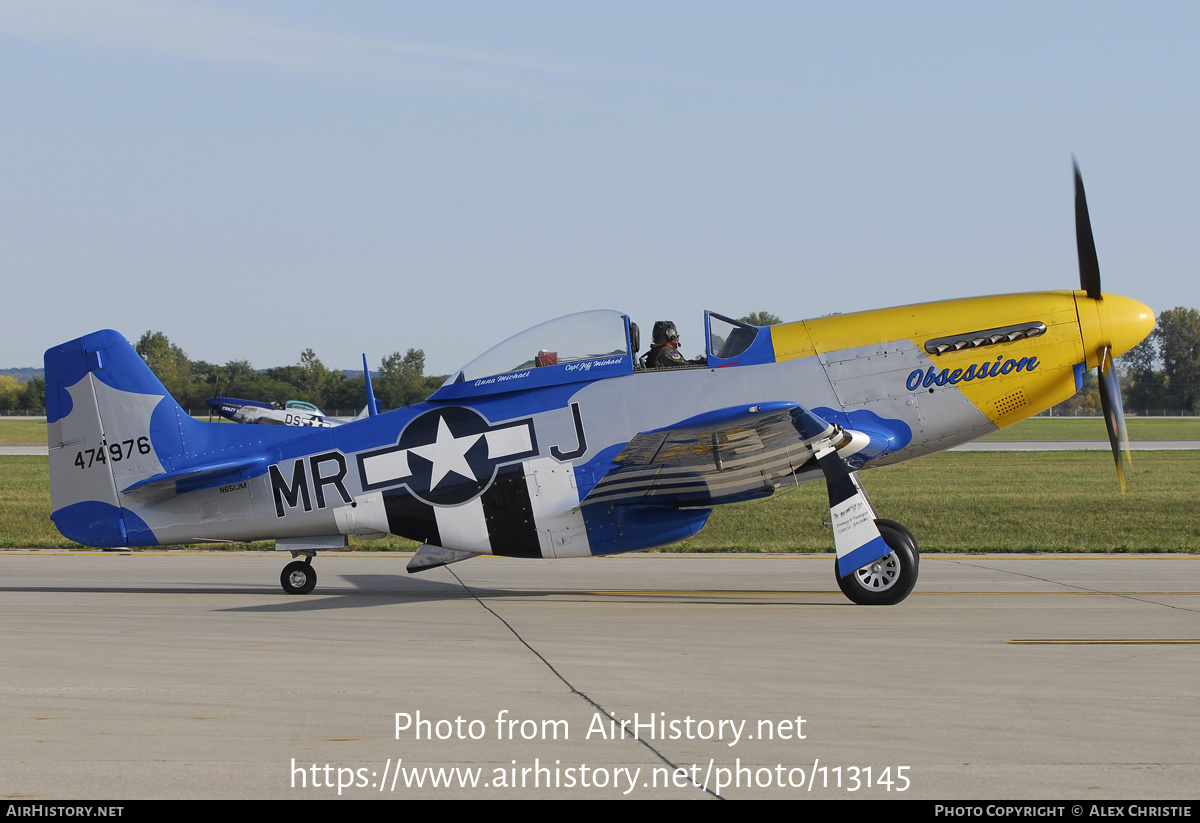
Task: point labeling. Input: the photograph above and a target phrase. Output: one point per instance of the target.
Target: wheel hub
(880, 575)
(298, 579)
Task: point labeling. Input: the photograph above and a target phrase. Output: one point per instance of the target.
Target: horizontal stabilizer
(208, 474)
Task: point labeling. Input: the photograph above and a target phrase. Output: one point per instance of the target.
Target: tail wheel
(298, 577)
(889, 579)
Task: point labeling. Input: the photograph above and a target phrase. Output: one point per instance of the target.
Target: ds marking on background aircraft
(555, 444)
(293, 413)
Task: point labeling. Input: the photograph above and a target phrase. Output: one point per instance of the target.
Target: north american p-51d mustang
(293, 413)
(556, 444)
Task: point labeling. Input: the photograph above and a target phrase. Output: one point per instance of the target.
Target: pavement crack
(582, 695)
(1088, 589)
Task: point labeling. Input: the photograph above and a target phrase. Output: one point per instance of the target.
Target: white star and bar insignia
(447, 456)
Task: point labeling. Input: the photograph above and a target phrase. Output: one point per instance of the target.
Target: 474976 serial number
(116, 452)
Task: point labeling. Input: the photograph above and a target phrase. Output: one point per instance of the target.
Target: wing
(731, 454)
(741, 453)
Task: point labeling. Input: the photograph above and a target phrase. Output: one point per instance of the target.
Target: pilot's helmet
(664, 332)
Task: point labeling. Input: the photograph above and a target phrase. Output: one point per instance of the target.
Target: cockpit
(589, 346)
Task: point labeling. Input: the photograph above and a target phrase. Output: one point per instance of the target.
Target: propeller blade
(1089, 264)
(1114, 413)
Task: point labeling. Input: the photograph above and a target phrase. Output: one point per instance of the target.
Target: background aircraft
(293, 413)
(554, 444)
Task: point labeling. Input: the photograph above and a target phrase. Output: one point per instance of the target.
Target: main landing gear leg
(888, 578)
(299, 576)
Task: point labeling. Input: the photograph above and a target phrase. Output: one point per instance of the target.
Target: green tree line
(29, 395)
(1162, 373)
(400, 380)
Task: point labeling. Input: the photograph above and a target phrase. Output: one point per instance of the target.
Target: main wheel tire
(889, 579)
(912, 541)
(298, 577)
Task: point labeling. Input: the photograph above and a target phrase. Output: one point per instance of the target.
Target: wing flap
(731, 454)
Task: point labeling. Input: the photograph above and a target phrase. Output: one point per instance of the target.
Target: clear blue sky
(258, 177)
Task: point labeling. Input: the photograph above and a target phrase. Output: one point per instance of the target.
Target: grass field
(1092, 428)
(992, 501)
(956, 501)
(17, 431)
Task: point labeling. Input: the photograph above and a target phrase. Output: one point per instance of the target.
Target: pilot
(664, 352)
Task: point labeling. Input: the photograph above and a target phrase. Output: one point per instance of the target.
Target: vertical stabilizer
(125, 458)
(101, 401)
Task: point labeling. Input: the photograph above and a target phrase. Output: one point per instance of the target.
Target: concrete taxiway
(186, 675)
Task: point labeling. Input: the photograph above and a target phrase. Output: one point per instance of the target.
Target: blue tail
(119, 443)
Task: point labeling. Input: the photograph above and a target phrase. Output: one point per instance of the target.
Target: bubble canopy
(583, 346)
